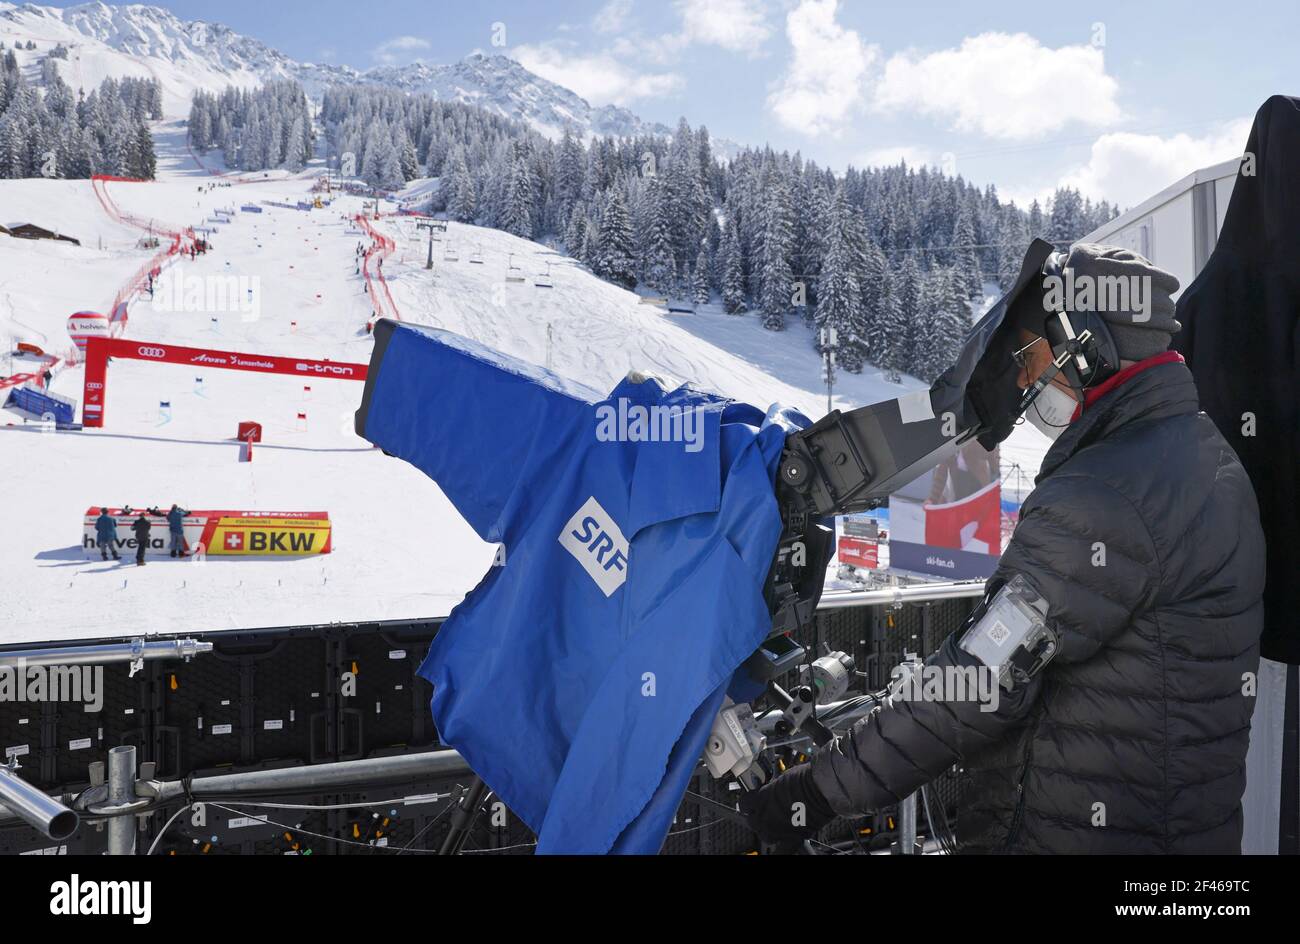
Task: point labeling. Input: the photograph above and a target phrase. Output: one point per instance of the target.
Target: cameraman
(1143, 538)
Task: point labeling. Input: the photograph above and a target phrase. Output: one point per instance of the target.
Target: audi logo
(94, 386)
(151, 351)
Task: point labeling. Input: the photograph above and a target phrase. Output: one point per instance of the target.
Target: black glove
(772, 812)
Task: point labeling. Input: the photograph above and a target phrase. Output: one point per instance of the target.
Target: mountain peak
(186, 56)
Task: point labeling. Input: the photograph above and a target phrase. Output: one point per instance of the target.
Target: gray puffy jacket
(1133, 738)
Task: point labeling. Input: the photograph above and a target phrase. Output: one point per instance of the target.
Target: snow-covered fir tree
(733, 272)
(463, 200)
(45, 131)
(615, 257)
(952, 323)
(880, 323)
(701, 294)
(964, 253)
(1015, 239)
(907, 351)
(838, 298)
(945, 320)
(590, 253)
(655, 239)
(406, 159)
(1067, 217)
(575, 229)
(776, 286)
(517, 210)
(257, 129)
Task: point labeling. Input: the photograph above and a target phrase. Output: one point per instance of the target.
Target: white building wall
(1164, 227)
(1222, 193)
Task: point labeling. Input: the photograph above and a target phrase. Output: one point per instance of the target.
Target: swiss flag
(234, 540)
(971, 524)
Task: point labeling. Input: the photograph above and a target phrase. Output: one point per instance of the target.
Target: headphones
(1083, 349)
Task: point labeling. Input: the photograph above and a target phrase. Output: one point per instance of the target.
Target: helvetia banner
(219, 533)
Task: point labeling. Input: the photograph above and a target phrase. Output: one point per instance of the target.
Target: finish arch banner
(99, 350)
(220, 533)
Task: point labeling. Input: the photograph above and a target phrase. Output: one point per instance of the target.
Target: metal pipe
(136, 650)
(907, 825)
(466, 811)
(894, 596)
(346, 773)
(36, 807)
(121, 790)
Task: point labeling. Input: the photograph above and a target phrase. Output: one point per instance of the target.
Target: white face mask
(1051, 411)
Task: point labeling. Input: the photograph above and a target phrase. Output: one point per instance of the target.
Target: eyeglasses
(1019, 356)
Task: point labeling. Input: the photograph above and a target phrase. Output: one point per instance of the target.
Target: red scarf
(1093, 394)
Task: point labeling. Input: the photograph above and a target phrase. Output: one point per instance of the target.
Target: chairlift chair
(513, 272)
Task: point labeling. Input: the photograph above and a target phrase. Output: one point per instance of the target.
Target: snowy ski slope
(400, 549)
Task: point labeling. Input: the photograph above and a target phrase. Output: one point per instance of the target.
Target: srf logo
(593, 538)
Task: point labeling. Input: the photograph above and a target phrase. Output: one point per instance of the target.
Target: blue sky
(1119, 99)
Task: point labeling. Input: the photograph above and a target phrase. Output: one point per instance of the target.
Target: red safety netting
(380, 249)
(16, 380)
(172, 242)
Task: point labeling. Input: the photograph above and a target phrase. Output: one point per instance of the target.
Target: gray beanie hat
(1132, 296)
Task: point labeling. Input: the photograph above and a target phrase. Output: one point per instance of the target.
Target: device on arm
(1009, 633)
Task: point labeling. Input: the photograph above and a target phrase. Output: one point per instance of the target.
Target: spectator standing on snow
(106, 534)
(176, 530)
(141, 528)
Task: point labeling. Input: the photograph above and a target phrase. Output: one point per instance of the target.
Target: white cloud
(1126, 168)
(601, 79)
(735, 25)
(612, 17)
(661, 50)
(398, 49)
(823, 86)
(1003, 85)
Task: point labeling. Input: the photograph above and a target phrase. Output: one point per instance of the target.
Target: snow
(141, 42)
(400, 549)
